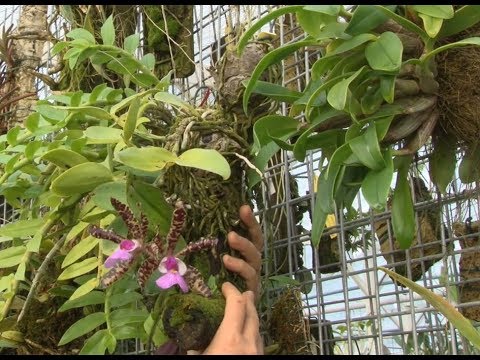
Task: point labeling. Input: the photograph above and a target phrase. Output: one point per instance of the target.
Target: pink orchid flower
(124, 252)
(174, 269)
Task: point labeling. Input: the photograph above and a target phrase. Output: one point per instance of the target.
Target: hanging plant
(373, 100)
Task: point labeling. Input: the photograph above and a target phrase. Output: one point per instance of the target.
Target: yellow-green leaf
(85, 289)
(80, 179)
(147, 158)
(22, 228)
(78, 269)
(82, 327)
(64, 158)
(463, 325)
(83, 247)
(205, 159)
(11, 256)
(103, 135)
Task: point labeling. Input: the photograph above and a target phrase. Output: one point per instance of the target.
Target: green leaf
(263, 21)
(79, 250)
(385, 54)
(123, 66)
(149, 61)
(464, 42)
(128, 332)
(131, 43)
(78, 269)
(352, 43)
(22, 228)
(271, 58)
(122, 317)
(403, 216)
(103, 135)
(272, 125)
(464, 18)
(131, 122)
(82, 327)
(96, 344)
(323, 205)
(80, 33)
(64, 158)
(147, 158)
(431, 24)
(59, 46)
(387, 87)
(81, 179)
(463, 325)
(275, 92)
(11, 256)
(337, 96)
(469, 168)
(12, 135)
(92, 298)
(332, 10)
(404, 22)
(438, 11)
(75, 231)
(108, 31)
(366, 18)
(119, 300)
(95, 94)
(312, 22)
(32, 148)
(84, 289)
(205, 159)
(103, 193)
(322, 65)
(153, 204)
(338, 158)
(171, 99)
(442, 162)
(87, 110)
(376, 185)
(300, 148)
(158, 337)
(367, 149)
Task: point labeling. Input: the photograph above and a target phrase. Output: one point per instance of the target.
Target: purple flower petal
(117, 255)
(171, 263)
(127, 245)
(170, 279)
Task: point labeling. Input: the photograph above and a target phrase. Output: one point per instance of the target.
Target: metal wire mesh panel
(345, 304)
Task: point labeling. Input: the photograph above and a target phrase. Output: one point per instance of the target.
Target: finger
(251, 328)
(254, 229)
(247, 249)
(243, 269)
(234, 317)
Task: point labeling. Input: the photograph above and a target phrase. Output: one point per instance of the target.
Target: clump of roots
(459, 96)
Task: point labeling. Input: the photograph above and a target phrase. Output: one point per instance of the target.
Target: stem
(41, 271)
(46, 228)
(19, 165)
(344, 13)
(108, 293)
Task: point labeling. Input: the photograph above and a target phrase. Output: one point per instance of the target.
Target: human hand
(250, 266)
(239, 332)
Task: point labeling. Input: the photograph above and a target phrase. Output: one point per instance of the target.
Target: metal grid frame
(369, 314)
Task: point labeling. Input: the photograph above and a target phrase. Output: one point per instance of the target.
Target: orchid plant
(173, 269)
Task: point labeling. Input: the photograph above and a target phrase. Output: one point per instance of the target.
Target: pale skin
(239, 332)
